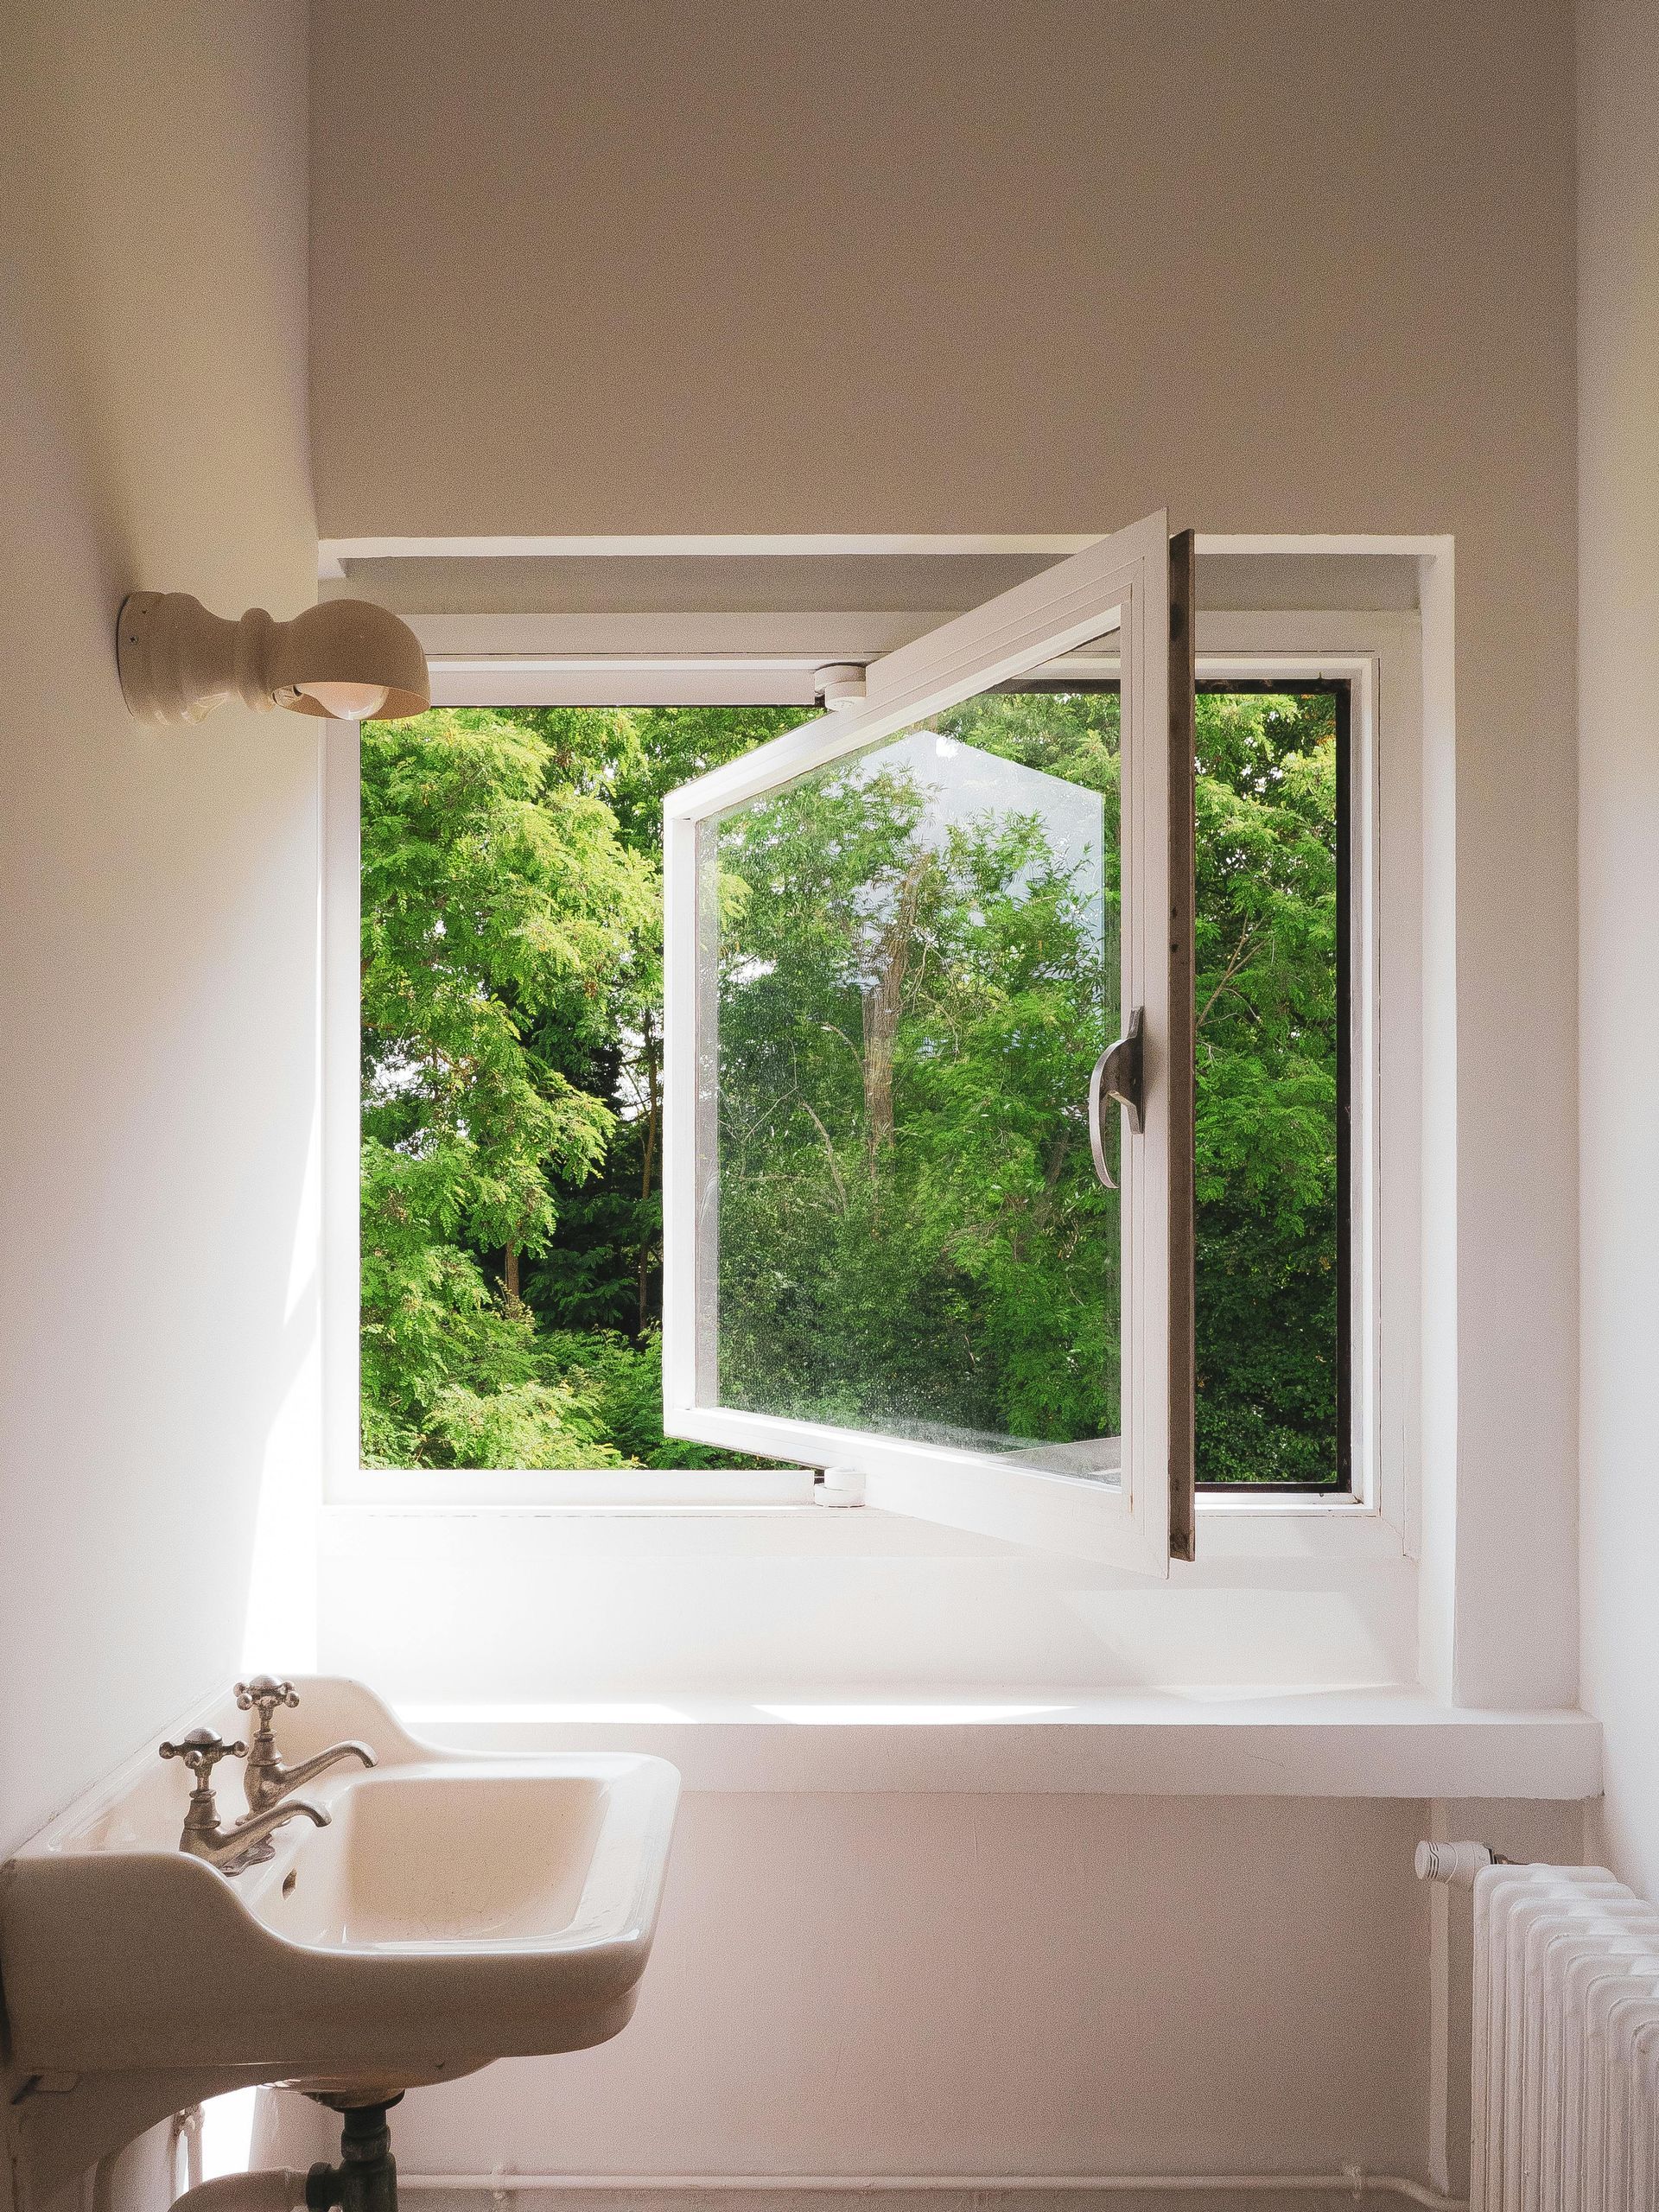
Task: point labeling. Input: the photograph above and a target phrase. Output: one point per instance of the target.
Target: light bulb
(346, 702)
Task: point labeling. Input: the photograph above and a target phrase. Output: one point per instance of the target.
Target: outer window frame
(1341, 688)
(1376, 655)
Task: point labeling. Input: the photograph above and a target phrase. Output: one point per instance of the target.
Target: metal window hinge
(838, 1486)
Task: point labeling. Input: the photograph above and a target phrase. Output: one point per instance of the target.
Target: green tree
(494, 896)
(915, 983)
(604, 1270)
(1267, 1087)
(912, 995)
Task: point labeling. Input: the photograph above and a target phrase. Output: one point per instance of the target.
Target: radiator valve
(1456, 1863)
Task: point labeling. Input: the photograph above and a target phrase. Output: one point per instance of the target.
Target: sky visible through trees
(915, 958)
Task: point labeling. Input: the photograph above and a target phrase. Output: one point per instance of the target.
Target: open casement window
(922, 1221)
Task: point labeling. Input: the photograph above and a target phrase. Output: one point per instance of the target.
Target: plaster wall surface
(908, 1984)
(1618, 828)
(158, 889)
(967, 269)
(695, 271)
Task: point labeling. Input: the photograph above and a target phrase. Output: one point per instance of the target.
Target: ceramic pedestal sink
(458, 1908)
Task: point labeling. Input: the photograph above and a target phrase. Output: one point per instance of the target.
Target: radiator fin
(1565, 2043)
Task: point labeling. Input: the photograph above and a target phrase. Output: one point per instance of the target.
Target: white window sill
(443, 1603)
(1386, 1743)
(570, 1489)
(1232, 1526)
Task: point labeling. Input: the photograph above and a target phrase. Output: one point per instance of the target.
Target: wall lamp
(344, 658)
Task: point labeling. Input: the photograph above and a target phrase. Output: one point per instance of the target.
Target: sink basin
(422, 1859)
(459, 1908)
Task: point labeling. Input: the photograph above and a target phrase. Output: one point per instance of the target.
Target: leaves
(492, 898)
(912, 993)
(512, 984)
(911, 1229)
(1266, 1093)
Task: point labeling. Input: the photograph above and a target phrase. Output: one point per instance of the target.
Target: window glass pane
(911, 965)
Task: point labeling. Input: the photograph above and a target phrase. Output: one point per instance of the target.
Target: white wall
(968, 268)
(475, 1608)
(158, 891)
(951, 1985)
(1619, 843)
(1365, 323)
(893, 1984)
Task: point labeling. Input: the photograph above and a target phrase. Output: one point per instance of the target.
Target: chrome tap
(265, 1780)
(234, 1849)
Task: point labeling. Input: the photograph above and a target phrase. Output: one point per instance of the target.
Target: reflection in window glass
(916, 968)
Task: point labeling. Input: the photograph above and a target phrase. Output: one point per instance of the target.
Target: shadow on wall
(159, 890)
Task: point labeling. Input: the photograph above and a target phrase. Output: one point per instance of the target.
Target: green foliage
(604, 1270)
(919, 957)
(1267, 1088)
(494, 896)
(910, 1230)
(512, 1070)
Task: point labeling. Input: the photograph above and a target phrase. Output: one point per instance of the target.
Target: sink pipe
(274, 2190)
(366, 2180)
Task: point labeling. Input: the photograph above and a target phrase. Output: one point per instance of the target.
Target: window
(806, 1314)
(1038, 753)
(916, 970)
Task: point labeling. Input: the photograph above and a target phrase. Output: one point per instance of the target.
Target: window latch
(1117, 1076)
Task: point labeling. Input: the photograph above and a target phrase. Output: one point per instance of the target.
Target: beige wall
(946, 266)
(1298, 267)
(157, 891)
(893, 1984)
(1301, 266)
(735, 267)
(949, 1985)
(1618, 846)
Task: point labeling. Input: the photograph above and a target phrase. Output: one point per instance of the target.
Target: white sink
(459, 1908)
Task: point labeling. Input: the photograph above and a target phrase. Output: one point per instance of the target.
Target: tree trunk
(883, 1000)
(510, 1280)
(653, 1104)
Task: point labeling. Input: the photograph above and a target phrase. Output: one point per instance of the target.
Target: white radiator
(1566, 2056)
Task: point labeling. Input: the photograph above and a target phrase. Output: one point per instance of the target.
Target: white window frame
(648, 658)
(1120, 586)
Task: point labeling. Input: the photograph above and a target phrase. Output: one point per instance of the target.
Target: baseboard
(897, 2193)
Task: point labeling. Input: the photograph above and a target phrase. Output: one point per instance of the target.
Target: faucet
(265, 1780)
(231, 1850)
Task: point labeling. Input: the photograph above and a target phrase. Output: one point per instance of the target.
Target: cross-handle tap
(265, 1780)
(231, 1850)
(265, 1692)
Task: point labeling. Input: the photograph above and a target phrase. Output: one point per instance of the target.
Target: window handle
(1117, 1076)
